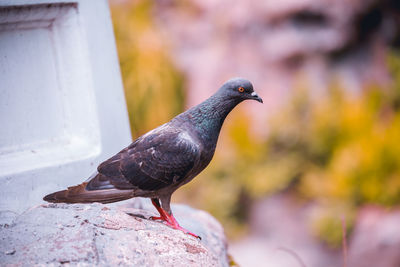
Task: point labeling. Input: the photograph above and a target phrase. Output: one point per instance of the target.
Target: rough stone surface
(108, 235)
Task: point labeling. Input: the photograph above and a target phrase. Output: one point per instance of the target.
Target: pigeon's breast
(207, 150)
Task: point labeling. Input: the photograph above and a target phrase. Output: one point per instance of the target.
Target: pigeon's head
(241, 89)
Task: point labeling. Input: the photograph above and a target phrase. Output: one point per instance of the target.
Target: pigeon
(162, 160)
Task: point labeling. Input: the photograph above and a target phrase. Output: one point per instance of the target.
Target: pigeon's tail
(80, 194)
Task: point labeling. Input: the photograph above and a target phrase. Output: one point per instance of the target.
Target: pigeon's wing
(154, 161)
(158, 159)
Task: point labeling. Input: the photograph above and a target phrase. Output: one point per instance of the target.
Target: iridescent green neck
(207, 117)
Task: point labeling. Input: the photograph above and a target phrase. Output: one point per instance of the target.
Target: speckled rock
(109, 235)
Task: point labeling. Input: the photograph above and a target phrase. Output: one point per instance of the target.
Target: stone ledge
(109, 235)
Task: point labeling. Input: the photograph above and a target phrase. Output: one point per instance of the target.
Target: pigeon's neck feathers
(206, 118)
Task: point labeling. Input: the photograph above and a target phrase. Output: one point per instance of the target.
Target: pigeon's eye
(241, 89)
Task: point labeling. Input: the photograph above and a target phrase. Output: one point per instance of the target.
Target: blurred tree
(338, 151)
(153, 86)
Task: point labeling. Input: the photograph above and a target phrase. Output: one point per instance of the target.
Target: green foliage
(330, 221)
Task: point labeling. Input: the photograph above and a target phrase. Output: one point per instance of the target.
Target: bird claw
(196, 236)
(174, 226)
(178, 227)
(156, 218)
(169, 219)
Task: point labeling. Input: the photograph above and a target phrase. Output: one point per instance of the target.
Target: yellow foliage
(329, 221)
(336, 149)
(153, 86)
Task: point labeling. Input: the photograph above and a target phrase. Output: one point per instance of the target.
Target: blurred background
(320, 159)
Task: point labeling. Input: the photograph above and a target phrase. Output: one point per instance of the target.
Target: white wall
(62, 108)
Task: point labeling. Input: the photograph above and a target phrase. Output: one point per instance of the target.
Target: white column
(62, 107)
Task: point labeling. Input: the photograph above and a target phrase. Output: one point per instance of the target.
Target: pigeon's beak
(256, 97)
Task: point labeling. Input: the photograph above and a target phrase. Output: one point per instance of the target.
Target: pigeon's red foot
(170, 220)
